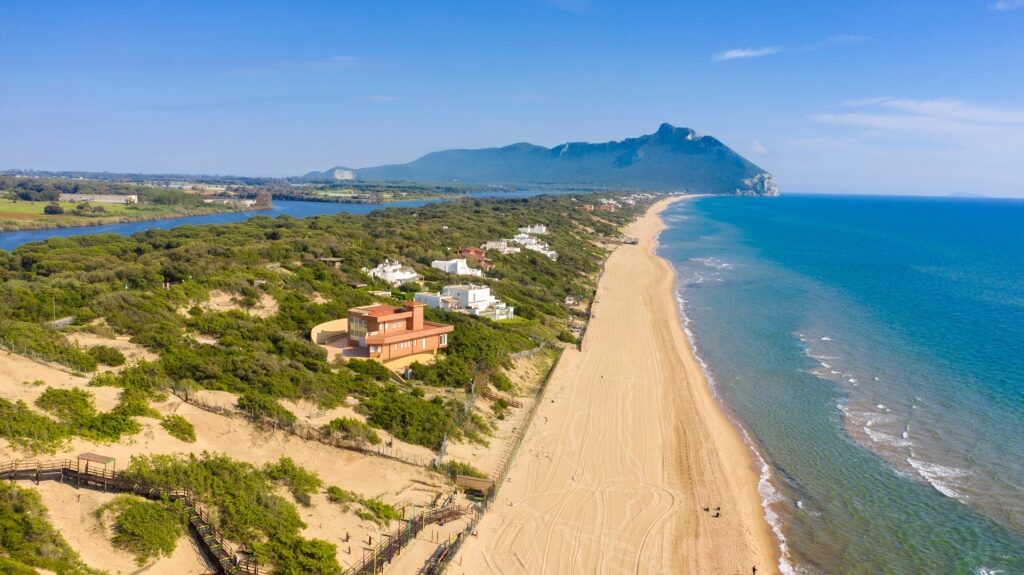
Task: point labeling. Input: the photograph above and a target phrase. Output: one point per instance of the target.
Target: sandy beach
(627, 449)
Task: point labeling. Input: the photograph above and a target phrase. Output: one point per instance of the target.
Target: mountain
(671, 159)
(337, 173)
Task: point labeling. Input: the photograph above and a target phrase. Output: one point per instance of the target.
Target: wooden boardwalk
(224, 559)
(220, 553)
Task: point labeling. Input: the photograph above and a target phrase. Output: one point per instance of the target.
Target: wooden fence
(304, 431)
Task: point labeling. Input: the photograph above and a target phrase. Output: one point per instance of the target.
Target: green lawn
(20, 213)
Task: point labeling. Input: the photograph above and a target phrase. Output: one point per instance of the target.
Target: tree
(263, 201)
(53, 209)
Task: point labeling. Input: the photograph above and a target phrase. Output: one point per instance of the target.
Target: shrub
(352, 429)
(453, 468)
(262, 405)
(146, 529)
(341, 496)
(300, 483)
(179, 428)
(68, 405)
(28, 540)
(27, 429)
(53, 209)
(107, 355)
(501, 381)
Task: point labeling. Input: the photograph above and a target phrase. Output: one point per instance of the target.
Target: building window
(444, 339)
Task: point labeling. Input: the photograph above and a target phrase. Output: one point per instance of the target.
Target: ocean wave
(765, 488)
(714, 263)
(885, 438)
(939, 476)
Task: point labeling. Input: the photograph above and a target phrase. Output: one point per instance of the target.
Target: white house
(468, 299)
(533, 244)
(534, 229)
(457, 267)
(501, 246)
(437, 301)
(393, 272)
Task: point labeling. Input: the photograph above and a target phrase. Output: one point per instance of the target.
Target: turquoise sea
(873, 351)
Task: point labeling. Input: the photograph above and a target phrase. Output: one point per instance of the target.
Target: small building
(606, 207)
(388, 332)
(469, 299)
(457, 266)
(479, 256)
(534, 229)
(587, 207)
(501, 246)
(393, 272)
(533, 244)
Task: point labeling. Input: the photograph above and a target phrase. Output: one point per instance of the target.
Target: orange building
(389, 332)
(478, 255)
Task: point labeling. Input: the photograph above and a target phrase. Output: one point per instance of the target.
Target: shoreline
(622, 459)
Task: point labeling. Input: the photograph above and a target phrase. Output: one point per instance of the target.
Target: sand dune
(626, 450)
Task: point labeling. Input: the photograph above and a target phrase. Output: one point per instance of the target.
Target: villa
(535, 229)
(533, 244)
(469, 299)
(388, 332)
(457, 266)
(479, 256)
(393, 272)
(501, 246)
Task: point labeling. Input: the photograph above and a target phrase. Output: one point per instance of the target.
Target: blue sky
(853, 97)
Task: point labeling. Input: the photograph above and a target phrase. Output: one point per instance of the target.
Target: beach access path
(627, 449)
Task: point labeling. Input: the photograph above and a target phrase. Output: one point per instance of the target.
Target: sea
(872, 351)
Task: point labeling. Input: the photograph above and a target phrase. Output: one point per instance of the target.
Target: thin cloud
(740, 53)
(759, 148)
(1006, 5)
(830, 42)
(940, 116)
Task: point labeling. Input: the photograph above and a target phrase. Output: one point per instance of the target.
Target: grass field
(22, 215)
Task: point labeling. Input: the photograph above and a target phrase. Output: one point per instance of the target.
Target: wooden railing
(385, 551)
(211, 540)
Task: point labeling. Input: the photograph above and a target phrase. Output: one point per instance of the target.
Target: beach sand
(627, 448)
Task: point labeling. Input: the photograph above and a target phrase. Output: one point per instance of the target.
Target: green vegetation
(351, 429)
(34, 340)
(453, 468)
(25, 428)
(501, 382)
(179, 428)
(107, 355)
(74, 408)
(27, 203)
(300, 483)
(268, 359)
(372, 509)
(28, 540)
(146, 529)
(244, 507)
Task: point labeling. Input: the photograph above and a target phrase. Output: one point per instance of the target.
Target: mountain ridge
(670, 159)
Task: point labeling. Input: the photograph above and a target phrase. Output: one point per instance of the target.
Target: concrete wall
(324, 332)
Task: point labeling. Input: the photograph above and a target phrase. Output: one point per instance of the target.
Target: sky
(876, 97)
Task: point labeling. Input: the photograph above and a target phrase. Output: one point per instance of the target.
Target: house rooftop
(382, 310)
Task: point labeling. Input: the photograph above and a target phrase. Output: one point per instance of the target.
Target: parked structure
(457, 266)
(393, 272)
(501, 246)
(388, 332)
(469, 299)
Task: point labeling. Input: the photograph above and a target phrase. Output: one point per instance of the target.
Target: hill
(671, 159)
